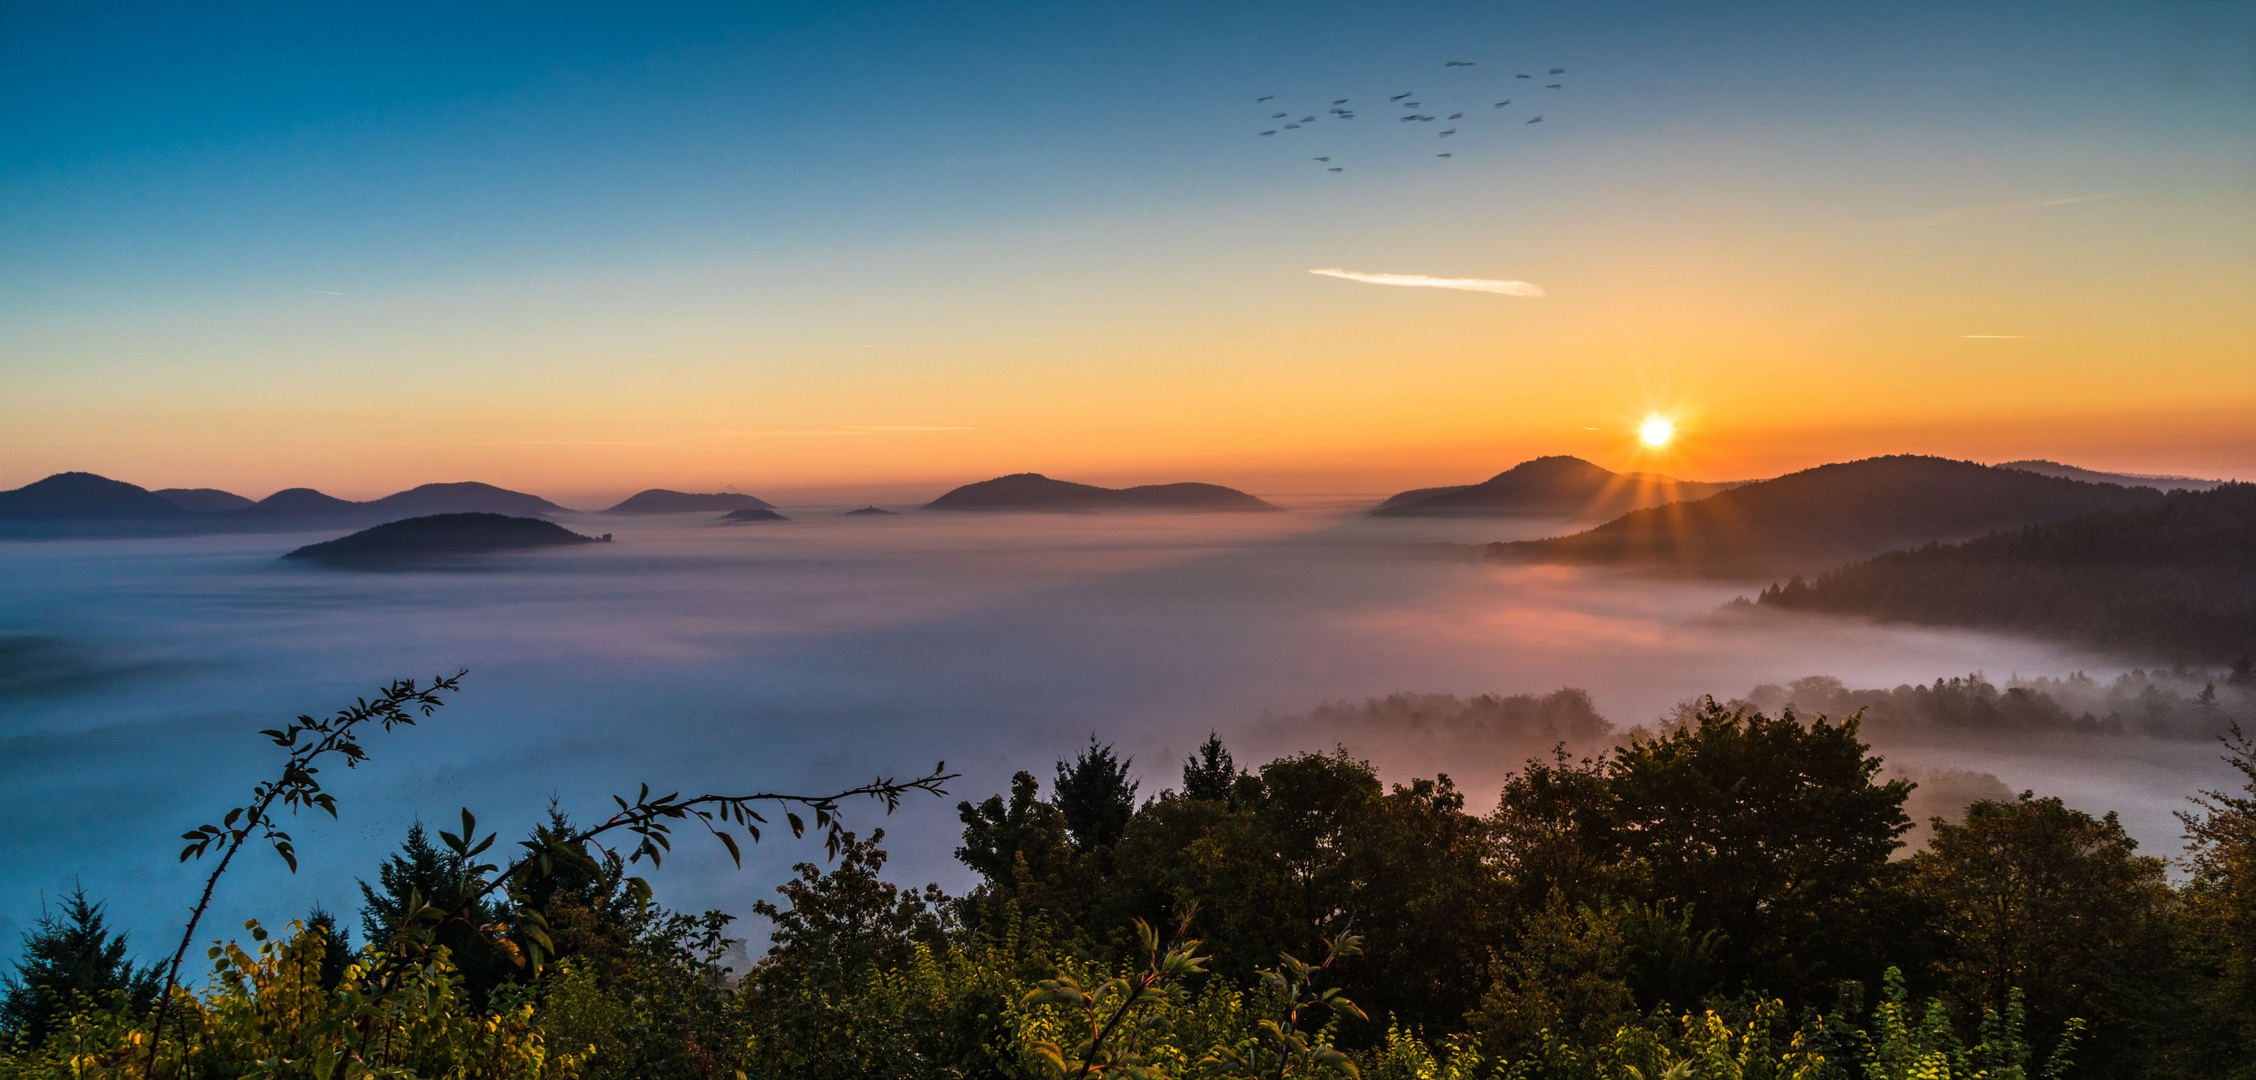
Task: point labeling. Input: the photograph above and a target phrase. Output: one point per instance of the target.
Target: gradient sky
(583, 250)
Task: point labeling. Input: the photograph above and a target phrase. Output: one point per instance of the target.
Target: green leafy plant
(1120, 1013)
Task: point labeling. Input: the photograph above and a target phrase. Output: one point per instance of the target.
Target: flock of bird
(1340, 111)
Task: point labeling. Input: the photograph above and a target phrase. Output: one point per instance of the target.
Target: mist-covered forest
(2175, 579)
(1726, 892)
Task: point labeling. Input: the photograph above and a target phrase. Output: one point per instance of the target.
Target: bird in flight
(1272, 132)
(1523, 76)
(1537, 120)
(1458, 63)
(1407, 119)
(1410, 104)
(1307, 119)
(1333, 169)
(1550, 86)
(1343, 101)
(1320, 159)
(1292, 125)
(1445, 155)
(1558, 71)
(1456, 116)
(1501, 104)
(1277, 115)
(1402, 95)
(1448, 133)
(1263, 98)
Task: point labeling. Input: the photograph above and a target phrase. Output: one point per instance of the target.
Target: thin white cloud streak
(1963, 213)
(1500, 288)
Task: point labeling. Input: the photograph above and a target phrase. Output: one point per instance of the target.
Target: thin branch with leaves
(297, 787)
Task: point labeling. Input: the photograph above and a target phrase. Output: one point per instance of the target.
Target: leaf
(729, 842)
(798, 827)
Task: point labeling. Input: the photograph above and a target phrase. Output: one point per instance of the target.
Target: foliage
(1209, 773)
(1094, 796)
(71, 962)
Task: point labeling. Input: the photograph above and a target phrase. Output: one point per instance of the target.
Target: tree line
(1725, 897)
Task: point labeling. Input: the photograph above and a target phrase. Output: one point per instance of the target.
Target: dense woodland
(1725, 896)
(2176, 579)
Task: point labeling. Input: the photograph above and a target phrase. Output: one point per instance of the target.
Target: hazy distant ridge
(662, 501)
(2177, 577)
(83, 504)
(1553, 485)
(1035, 493)
(2070, 472)
(439, 535)
(1806, 520)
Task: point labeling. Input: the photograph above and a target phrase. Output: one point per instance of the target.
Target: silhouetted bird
(1333, 169)
(1290, 126)
(1501, 104)
(1259, 100)
(1551, 86)
(1410, 104)
(1320, 159)
(1271, 132)
(1400, 96)
(1537, 120)
(1448, 133)
(1307, 119)
(1458, 63)
(1407, 119)
(1343, 101)
(1278, 115)
(1445, 155)
(1558, 71)
(1523, 76)
(1456, 116)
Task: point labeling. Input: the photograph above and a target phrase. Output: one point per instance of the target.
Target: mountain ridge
(1036, 493)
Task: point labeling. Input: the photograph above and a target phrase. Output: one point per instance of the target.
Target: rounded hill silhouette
(662, 501)
(1035, 493)
(438, 536)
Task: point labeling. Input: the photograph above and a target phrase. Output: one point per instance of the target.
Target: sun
(1656, 431)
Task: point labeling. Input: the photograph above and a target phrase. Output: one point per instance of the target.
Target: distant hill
(461, 498)
(2175, 577)
(662, 501)
(83, 496)
(870, 511)
(1807, 520)
(420, 539)
(203, 500)
(79, 504)
(751, 514)
(1035, 493)
(2070, 472)
(1553, 486)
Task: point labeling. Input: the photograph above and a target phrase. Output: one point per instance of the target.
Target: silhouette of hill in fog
(2070, 472)
(2177, 577)
(1803, 521)
(751, 514)
(1554, 485)
(662, 501)
(420, 539)
(870, 511)
(203, 500)
(79, 504)
(83, 496)
(1035, 493)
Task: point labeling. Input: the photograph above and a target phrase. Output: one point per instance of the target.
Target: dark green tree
(2034, 895)
(71, 961)
(1209, 773)
(420, 871)
(849, 918)
(336, 948)
(1095, 796)
(1021, 850)
(1770, 830)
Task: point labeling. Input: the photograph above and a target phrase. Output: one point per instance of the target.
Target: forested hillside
(2174, 580)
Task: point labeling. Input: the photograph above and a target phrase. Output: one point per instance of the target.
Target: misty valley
(1513, 776)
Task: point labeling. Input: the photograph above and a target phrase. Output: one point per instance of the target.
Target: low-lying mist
(135, 673)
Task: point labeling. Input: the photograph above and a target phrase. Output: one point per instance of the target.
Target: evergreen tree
(1095, 796)
(1209, 773)
(336, 948)
(70, 961)
(422, 873)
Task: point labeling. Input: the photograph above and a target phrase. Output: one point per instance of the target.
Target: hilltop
(751, 514)
(662, 501)
(1557, 485)
(83, 504)
(1035, 493)
(420, 539)
(1807, 520)
(2070, 472)
(2177, 578)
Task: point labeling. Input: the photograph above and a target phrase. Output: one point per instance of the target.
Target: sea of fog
(817, 654)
